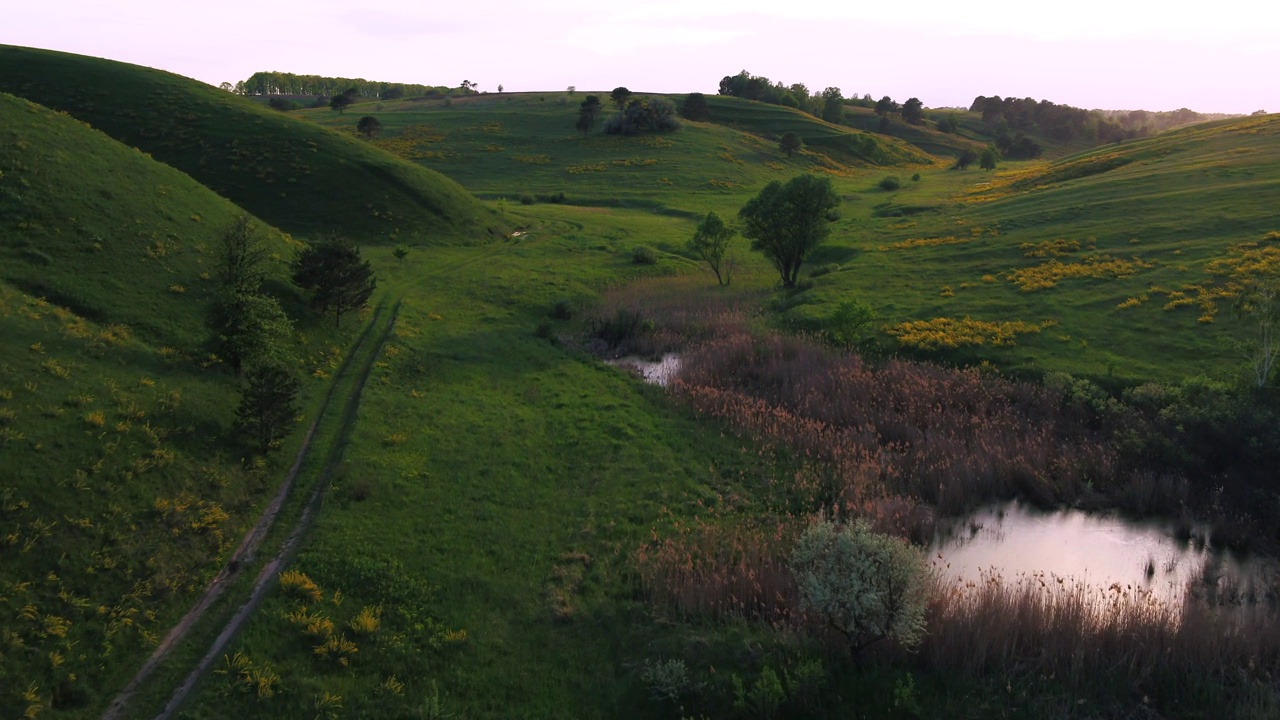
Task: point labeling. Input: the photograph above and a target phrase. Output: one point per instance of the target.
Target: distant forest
(279, 83)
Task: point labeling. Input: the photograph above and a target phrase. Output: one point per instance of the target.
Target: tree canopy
(337, 278)
(913, 111)
(710, 242)
(369, 126)
(786, 222)
(789, 143)
(867, 586)
(695, 108)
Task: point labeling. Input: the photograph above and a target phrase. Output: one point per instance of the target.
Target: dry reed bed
(954, 438)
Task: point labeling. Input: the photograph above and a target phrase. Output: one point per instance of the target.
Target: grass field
(488, 500)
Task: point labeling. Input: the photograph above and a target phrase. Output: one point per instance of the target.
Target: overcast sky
(1222, 56)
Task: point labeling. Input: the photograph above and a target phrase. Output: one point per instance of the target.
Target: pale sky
(1222, 56)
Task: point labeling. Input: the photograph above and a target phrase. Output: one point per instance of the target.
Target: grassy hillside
(104, 230)
(1119, 254)
(286, 172)
(120, 488)
(526, 145)
(970, 134)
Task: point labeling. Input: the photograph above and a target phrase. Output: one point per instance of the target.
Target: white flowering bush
(868, 586)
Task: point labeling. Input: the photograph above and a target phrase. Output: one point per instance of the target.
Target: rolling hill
(120, 485)
(286, 172)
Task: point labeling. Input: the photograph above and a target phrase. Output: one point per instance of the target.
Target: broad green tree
(786, 222)
(710, 242)
(339, 281)
(369, 126)
(619, 96)
(695, 108)
(913, 111)
(987, 161)
(867, 586)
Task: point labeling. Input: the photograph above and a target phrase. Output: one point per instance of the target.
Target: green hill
(104, 230)
(120, 491)
(287, 172)
(1126, 254)
(525, 146)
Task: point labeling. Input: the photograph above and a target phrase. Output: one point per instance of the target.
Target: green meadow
(487, 488)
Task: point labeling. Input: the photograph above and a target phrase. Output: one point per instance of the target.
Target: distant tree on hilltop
(619, 96)
(913, 111)
(695, 108)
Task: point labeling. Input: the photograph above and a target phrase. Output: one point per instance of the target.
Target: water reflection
(1015, 541)
(659, 372)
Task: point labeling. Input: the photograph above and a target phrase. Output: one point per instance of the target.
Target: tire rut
(246, 551)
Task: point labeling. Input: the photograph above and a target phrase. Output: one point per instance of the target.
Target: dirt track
(245, 552)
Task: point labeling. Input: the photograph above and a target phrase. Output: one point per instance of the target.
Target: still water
(1015, 541)
(659, 372)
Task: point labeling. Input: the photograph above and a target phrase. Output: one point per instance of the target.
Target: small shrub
(367, 622)
(526, 199)
(666, 680)
(298, 585)
(564, 309)
(644, 255)
(865, 585)
(889, 183)
(915, 178)
(545, 330)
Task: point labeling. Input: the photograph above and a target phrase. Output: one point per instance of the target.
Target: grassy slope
(511, 145)
(120, 490)
(1208, 190)
(496, 485)
(1176, 202)
(285, 172)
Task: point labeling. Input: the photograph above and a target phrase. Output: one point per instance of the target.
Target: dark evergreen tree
(337, 278)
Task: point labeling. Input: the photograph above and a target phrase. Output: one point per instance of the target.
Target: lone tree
(967, 158)
(789, 143)
(786, 222)
(868, 587)
(369, 126)
(268, 404)
(619, 96)
(338, 280)
(695, 108)
(913, 111)
(987, 161)
(710, 242)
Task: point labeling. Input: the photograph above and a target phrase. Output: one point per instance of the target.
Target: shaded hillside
(121, 484)
(925, 136)
(294, 175)
(104, 230)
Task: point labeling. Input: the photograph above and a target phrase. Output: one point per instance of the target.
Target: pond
(659, 372)
(1015, 541)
